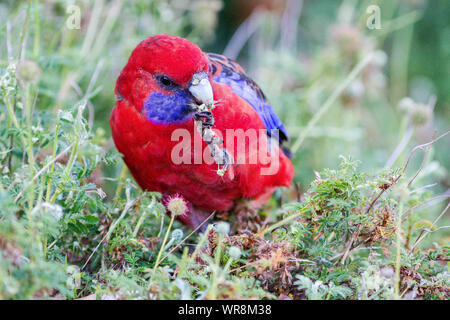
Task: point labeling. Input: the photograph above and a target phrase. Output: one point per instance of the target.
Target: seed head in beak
(201, 89)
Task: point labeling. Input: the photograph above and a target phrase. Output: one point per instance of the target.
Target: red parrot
(158, 91)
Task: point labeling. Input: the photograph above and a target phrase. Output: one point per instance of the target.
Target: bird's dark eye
(166, 82)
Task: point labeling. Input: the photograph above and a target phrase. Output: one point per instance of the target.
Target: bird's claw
(206, 117)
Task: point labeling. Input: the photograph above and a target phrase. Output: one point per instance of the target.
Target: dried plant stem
(424, 160)
(422, 146)
(424, 233)
(213, 142)
(350, 243)
(220, 156)
(434, 200)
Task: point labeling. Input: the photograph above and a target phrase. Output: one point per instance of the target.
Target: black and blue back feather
(226, 71)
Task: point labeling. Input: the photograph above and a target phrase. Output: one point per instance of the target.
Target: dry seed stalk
(220, 156)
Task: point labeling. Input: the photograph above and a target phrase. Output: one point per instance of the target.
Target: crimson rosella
(165, 80)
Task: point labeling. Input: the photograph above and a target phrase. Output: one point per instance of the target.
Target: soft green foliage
(320, 291)
(74, 224)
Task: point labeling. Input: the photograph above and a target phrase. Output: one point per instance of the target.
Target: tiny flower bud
(234, 252)
(177, 205)
(177, 235)
(420, 114)
(223, 228)
(403, 192)
(28, 71)
(405, 104)
(347, 37)
(387, 272)
(380, 58)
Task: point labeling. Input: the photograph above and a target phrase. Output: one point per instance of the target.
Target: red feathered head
(165, 74)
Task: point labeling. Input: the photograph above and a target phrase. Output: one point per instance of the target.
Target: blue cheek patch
(168, 108)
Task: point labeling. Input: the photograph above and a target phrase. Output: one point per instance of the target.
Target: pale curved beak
(201, 89)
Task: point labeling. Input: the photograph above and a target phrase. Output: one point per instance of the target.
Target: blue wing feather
(227, 71)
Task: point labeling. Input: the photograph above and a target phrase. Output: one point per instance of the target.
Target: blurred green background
(299, 52)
